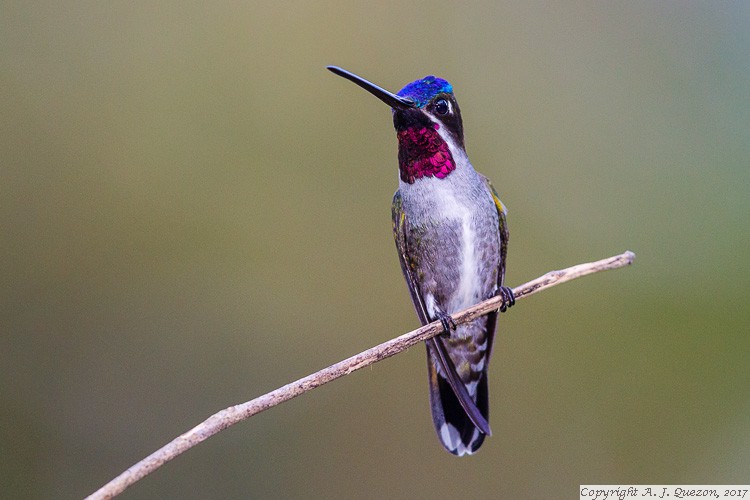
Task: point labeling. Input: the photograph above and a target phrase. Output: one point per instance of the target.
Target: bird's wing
(504, 234)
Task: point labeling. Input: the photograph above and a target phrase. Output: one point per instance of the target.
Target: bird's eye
(441, 107)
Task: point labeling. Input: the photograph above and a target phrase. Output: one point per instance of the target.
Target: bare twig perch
(234, 414)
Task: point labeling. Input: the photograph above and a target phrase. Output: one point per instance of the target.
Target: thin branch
(234, 414)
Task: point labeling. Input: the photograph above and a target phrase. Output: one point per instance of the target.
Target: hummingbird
(451, 235)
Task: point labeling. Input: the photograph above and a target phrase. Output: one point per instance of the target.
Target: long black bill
(391, 100)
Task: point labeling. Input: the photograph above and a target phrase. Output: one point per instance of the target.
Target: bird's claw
(448, 324)
(508, 298)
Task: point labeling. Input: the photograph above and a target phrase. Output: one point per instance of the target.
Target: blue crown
(421, 91)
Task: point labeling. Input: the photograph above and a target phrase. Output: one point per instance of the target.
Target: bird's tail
(455, 429)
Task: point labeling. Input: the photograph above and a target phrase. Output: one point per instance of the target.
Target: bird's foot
(508, 298)
(448, 324)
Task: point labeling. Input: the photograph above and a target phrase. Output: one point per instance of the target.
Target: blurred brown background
(194, 211)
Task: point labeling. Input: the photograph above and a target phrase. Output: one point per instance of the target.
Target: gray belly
(457, 261)
(457, 266)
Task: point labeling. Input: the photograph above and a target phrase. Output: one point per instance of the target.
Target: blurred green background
(194, 212)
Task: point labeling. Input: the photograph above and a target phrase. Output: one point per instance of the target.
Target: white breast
(451, 209)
